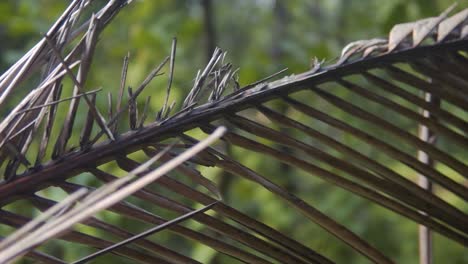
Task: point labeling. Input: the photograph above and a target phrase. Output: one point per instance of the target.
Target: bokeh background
(261, 37)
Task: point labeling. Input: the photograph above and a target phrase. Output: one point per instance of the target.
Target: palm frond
(417, 74)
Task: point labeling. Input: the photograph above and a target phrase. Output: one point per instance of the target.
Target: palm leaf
(417, 74)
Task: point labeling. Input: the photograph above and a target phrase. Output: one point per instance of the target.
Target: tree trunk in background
(224, 178)
(425, 134)
(278, 31)
(210, 32)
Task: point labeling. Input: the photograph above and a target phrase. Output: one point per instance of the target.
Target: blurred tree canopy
(261, 37)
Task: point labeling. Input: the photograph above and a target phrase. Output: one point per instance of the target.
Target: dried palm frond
(418, 74)
(61, 217)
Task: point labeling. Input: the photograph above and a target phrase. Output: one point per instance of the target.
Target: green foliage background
(259, 40)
